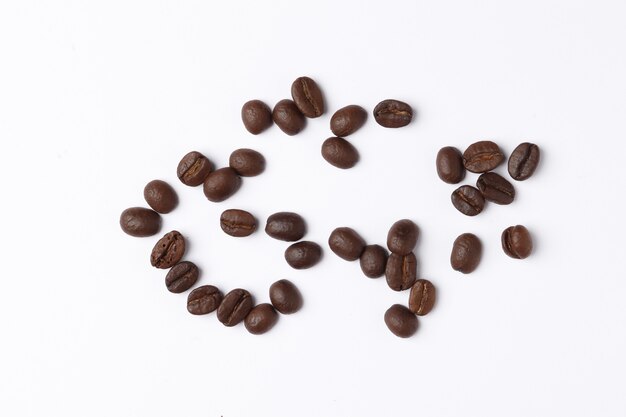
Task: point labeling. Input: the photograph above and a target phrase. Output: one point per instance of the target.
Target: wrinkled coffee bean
(288, 117)
(450, 166)
(346, 243)
(402, 237)
(140, 222)
(466, 253)
(237, 223)
(340, 153)
(247, 162)
(204, 300)
(256, 116)
(234, 307)
(261, 319)
(516, 242)
(348, 120)
(285, 297)
(221, 184)
(468, 200)
(181, 277)
(482, 156)
(308, 97)
(401, 321)
(160, 196)
(401, 271)
(373, 261)
(168, 251)
(523, 161)
(285, 226)
(193, 169)
(303, 255)
(393, 113)
(422, 297)
(495, 188)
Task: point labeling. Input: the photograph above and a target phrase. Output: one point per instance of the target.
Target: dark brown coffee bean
(256, 116)
(288, 117)
(346, 243)
(193, 169)
(482, 156)
(450, 166)
(221, 184)
(495, 188)
(234, 307)
(402, 237)
(285, 297)
(373, 261)
(168, 251)
(160, 196)
(247, 162)
(237, 223)
(340, 153)
(524, 161)
(401, 321)
(140, 222)
(308, 97)
(261, 319)
(466, 253)
(204, 300)
(303, 255)
(285, 226)
(401, 271)
(468, 200)
(348, 120)
(516, 242)
(393, 113)
(422, 297)
(181, 277)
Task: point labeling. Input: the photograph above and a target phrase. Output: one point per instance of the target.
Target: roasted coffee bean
(516, 242)
(247, 162)
(468, 200)
(422, 297)
(340, 153)
(140, 222)
(303, 255)
(168, 251)
(204, 300)
(346, 243)
(482, 156)
(348, 120)
(193, 169)
(285, 226)
(523, 161)
(450, 166)
(401, 271)
(256, 116)
(261, 319)
(402, 237)
(234, 307)
(288, 117)
(221, 184)
(393, 113)
(373, 261)
(285, 297)
(237, 223)
(308, 97)
(181, 277)
(495, 188)
(160, 196)
(401, 321)
(466, 253)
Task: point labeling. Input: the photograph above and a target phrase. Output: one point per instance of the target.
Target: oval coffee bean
(261, 319)
(340, 153)
(288, 117)
(140, 222)
(181, 277)
(422, 297)
(308, 97)
(466, 253)
(204, 300)
(160, 196)
(516, 242)
(523, 161)
(401, 271)
(401, 321)
(348, 120)
(285, 226)
(256, 116)
(168, 251)
(393, 113)
(468, 200)
(234, 307)
(346, 243)
(221, 184)
(193, 169)
(402, 237)
(285, 297)
(303, 255)
(495, 188)
(373, 261)
(450, 166)
(482, 156)
(247, 162)
(237, 223)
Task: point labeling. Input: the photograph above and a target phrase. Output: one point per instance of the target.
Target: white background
(98, 98)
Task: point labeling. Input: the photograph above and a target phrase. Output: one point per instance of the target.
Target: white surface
(98, 99)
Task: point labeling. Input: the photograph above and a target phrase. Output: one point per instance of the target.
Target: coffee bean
(193, 169)
(482, 156)
(237, 223)
(303, 255)
(261, 319)
(393, 113)
(422, 297)
(168, 251)
(373, 261)
(234, 307)
(348, 120)
(468, 200)
(346, 243)
(221, 184)
(450, 166)
(401, 271)
(495, 188)
(247, 162)
(466, 253)
(401, 321)
(181, 277)
(256, 116)
(308, 97)
(288, 117)
(204, 300)
(285, 226)
(523, 161)
(140, 222)
(516, 242)
(285, 297)
(402, 237)
(340, 153)
(160, 196)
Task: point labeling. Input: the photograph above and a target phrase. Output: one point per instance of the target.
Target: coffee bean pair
(143, 222)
